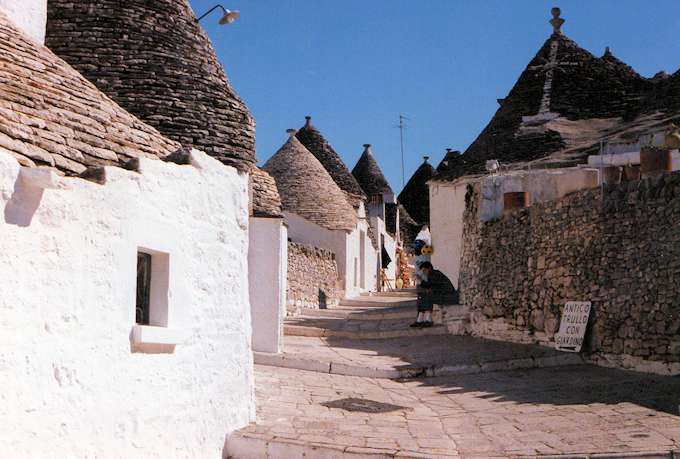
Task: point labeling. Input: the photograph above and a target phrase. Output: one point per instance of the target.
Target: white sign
(573, 326)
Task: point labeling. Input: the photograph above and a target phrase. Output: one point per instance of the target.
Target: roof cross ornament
(556, 21)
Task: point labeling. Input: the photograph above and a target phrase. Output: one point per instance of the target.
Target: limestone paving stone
(491, 415)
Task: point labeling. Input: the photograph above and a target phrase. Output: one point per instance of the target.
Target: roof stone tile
(154, 59)
(51, 115)
(312, 139)
(307, 189)
(368, 174)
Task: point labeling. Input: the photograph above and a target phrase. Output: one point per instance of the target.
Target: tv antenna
(402, 129)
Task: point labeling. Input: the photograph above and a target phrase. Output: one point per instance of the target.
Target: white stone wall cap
(42, 177)
(149, 334)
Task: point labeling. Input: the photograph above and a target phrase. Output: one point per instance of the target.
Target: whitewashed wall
(29, 15)
(542, 185)
(267, 264)
(447, 204)
(354, 253)
(390, 246)
(345, 245)
(72, 383)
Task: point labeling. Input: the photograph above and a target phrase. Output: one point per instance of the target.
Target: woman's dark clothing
(443, 291)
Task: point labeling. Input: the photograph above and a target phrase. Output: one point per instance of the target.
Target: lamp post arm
(211, 10)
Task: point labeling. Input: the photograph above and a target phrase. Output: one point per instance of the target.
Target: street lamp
(228, 17)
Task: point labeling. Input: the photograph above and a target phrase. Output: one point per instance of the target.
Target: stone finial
(556, 21)
(425, 158)
(607, 51)
(449, 150)
(308, 121)
(291, 132)
(367, 147)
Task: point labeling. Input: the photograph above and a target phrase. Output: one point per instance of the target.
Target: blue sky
(354, 65)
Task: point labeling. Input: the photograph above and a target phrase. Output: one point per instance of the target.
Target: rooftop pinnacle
(556, 21)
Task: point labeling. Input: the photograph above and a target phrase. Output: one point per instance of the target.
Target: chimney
(28, 15)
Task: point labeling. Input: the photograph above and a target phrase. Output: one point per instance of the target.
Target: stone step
(442, 314)
(395, 293)
(400, 312)
(375, 333)
(385, 303)
(290, 360)
(246, 445)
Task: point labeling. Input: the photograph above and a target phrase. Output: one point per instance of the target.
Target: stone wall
(617, 246)
(312, 278)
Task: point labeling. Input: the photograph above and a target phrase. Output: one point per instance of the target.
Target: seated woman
(434, 288)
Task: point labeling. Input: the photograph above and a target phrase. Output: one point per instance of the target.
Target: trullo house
(318, 213)
(164, 70)
(124, 308)
(379, 194)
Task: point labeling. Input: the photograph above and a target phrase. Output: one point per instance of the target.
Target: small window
(153, 282)
(143, 288)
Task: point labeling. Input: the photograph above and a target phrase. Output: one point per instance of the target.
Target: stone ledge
(148, 334)
(285, 360)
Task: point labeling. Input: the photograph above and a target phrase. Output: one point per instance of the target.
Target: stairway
(370, 336)
(377, 316)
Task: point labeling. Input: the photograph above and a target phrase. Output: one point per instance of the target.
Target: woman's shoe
(427, 324)
(416, 325)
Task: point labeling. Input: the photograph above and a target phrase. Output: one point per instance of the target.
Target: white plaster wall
(390, 246)
(29, 15)
(627, 158)
(71, 385)
(345, 245)
(353, 252)
(447, 205)
(267, 264)
(542, 185)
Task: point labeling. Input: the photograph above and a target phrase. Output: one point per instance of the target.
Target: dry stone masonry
(312, 278)
(616, 246)
(51, 116)
(155, 60)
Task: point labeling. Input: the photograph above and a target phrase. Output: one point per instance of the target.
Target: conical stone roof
(154, 59)
(415, 196)
(566, 100)
(408, 228)
(307, 189)
(265, 201)
(51, 116)
(312, 139)
(368, 174)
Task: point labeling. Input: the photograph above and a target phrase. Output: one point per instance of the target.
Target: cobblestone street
(574, 410)
(488, 399)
